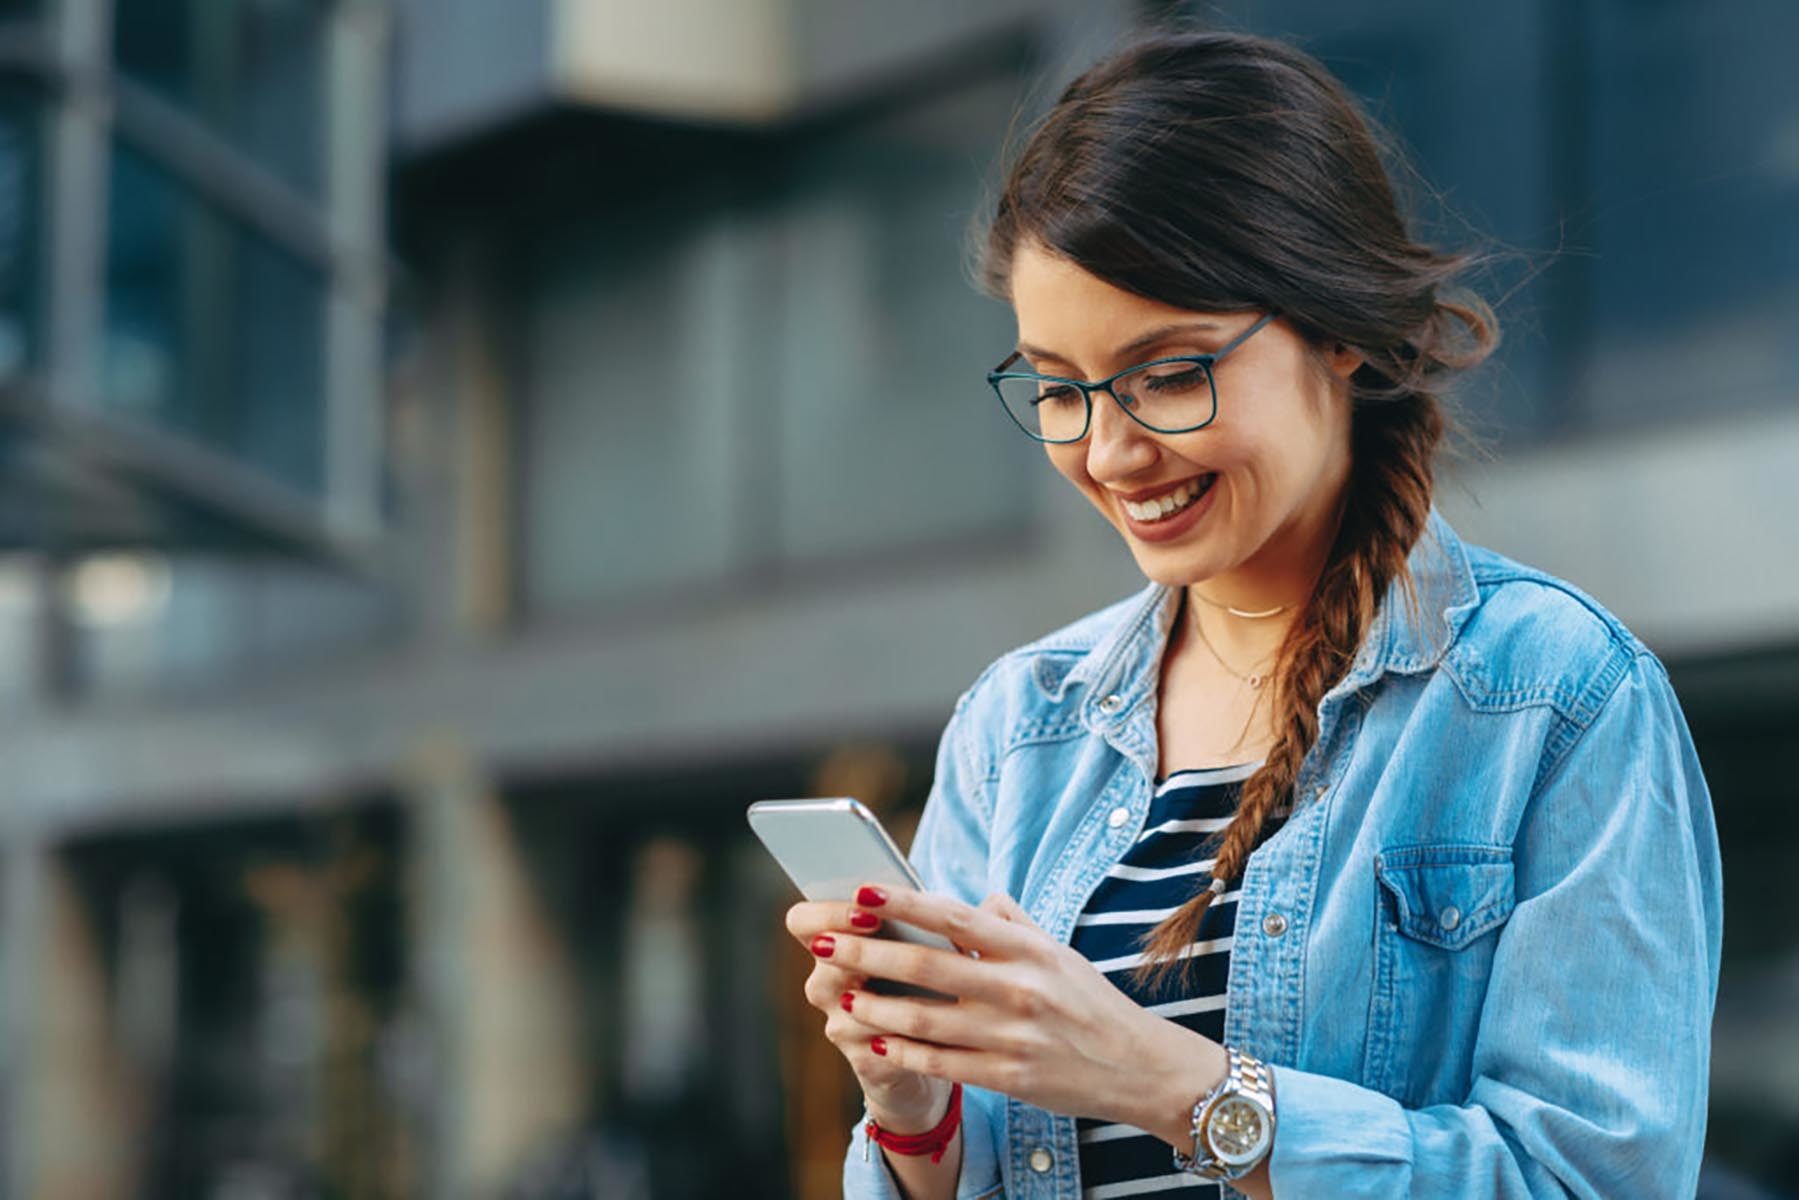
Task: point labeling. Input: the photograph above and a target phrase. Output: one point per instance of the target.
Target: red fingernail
(878, 1045)
(870, 897)
(823, 944)
(862, 920)
(849, 998)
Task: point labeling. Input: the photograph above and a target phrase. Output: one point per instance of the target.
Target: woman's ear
(1343, 361)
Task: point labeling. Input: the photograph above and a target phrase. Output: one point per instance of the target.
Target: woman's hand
(1033, 1018)
(901, 1100)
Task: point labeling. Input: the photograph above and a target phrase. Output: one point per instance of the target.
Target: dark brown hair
(1225, 172)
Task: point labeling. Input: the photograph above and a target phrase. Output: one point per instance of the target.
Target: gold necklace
(1249, 720)
(1254, 681)
(1254, 616)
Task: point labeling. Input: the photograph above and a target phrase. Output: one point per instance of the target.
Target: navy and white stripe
(1168, 864)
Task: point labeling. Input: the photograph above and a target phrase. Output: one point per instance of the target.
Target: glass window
(1694, 152)
(18, 234)
(778, 356)
(210, 331)
(21, 632)
(639, 387)
(888, 433)
(250, 69)
(1641, 156)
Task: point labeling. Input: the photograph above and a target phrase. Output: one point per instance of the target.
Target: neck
(1250, 610)
(1278, 581)
(1247, 644)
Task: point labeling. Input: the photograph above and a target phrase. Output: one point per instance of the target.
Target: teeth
(1161, 506)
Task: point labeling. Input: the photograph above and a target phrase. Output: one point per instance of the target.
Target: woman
(1345, 859)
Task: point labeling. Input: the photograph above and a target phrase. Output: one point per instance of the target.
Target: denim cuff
(980, 1175)
(1335, 1138)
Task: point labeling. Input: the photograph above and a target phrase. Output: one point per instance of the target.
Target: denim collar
(1121, 669)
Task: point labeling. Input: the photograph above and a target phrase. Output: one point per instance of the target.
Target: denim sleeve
(1593, 1048)
(949, 851)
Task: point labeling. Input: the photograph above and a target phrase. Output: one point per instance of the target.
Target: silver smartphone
(830, 846)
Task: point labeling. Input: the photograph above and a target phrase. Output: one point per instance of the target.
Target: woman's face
(1278, 450)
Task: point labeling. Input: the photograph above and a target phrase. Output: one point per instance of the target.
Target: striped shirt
(1168, 864)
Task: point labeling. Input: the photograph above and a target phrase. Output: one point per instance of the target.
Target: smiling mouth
(1166, 505)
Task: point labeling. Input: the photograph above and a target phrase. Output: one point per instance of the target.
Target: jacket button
(1450, 917)
(1274, 924)
(1118, 816)
(1111, 704)
(1042, 1160)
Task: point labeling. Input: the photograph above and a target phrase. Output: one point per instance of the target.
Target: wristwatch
(1233, 1124)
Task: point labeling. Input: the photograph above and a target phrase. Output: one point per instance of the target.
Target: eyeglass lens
(1167, 397)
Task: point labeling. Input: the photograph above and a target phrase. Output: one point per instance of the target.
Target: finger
(826, 985)
(809, 918)
(848, 1031)
(964, 924)
(943, 1022)
(974, 1067)
(857, 1042)
(857, 1045)
(927, 966)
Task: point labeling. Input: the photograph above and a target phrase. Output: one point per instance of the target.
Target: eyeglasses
(1166, 395)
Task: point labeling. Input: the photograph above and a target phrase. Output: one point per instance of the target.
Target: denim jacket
(1481, 956)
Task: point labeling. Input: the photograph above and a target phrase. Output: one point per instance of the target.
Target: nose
(1117, 446)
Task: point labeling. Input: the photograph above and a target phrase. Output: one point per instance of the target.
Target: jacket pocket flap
(1444, 894)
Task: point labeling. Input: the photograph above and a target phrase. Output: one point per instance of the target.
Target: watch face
(1237, 1130)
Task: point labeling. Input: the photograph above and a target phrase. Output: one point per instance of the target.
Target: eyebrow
(1161, 334)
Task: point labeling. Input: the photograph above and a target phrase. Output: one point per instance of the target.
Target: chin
(1171, 570)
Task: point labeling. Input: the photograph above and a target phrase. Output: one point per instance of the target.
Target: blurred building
(458, 453)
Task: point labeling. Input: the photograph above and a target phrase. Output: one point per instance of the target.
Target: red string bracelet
(933, 1141)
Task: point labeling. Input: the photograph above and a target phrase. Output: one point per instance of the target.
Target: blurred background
(456, 454)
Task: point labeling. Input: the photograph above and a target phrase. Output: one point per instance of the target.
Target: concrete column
(75, 1108)
(497, 980)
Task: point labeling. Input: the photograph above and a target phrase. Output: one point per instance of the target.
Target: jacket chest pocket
(1439, 909)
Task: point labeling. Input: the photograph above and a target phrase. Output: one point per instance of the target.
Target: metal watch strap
(1248, 1076)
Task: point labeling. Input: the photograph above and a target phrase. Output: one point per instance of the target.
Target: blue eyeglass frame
(1087, 388)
